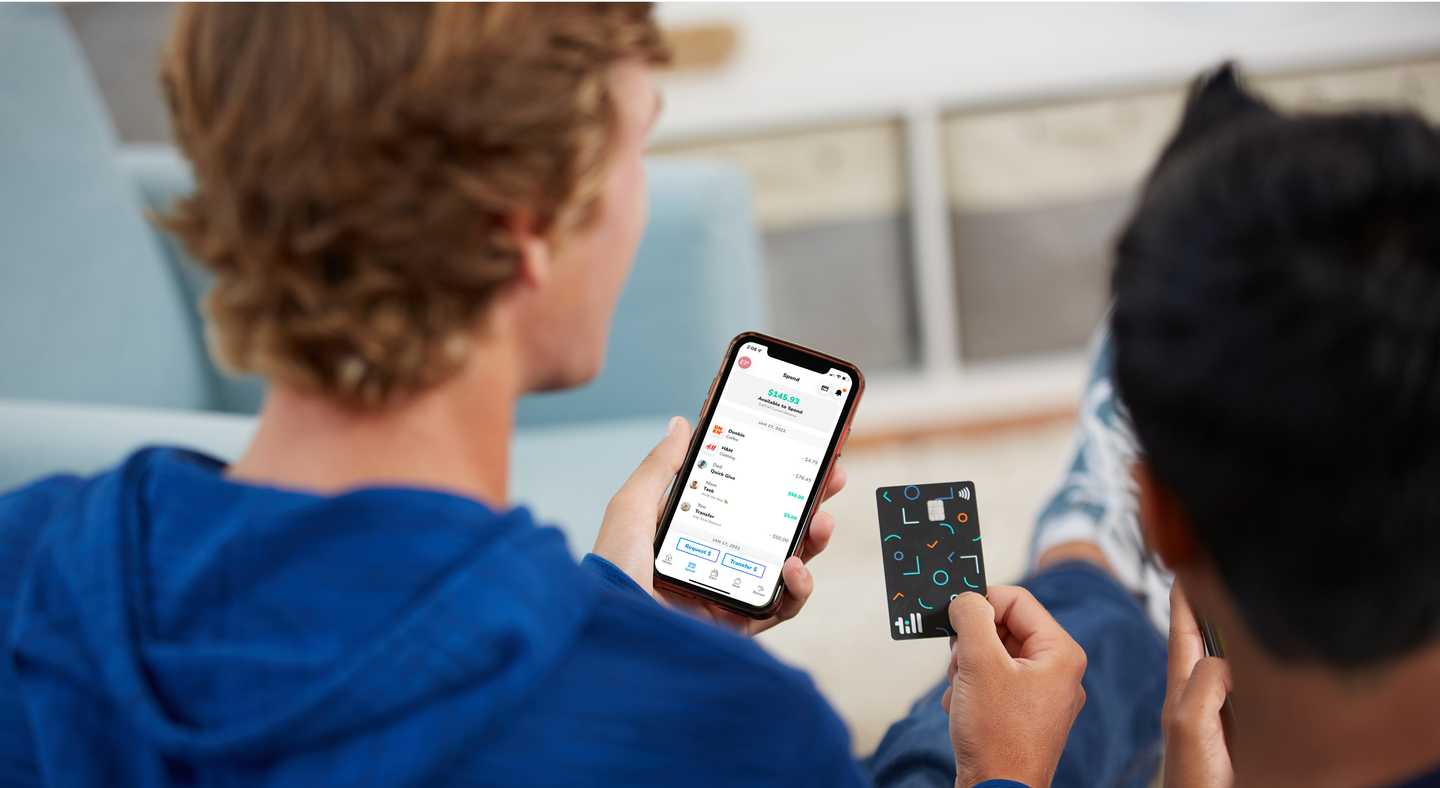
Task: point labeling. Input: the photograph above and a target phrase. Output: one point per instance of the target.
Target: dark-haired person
(1276, 338)
(1277, 343)
(415, 215)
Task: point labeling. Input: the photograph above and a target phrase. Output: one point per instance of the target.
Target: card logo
(908, 625)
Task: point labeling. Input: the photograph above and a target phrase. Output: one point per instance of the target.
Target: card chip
(935, 508)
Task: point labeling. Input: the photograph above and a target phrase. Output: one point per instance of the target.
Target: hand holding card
(930, 549)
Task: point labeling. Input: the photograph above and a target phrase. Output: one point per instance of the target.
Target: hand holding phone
(799, 583)
(757, 467)
(1197, 693)
(628, 534)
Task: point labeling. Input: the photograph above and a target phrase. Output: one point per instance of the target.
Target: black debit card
(930, 546)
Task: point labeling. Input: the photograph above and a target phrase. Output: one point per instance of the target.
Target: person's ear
(536, 263)
(1165, 526)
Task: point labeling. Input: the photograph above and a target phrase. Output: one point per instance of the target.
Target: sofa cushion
(89, 310)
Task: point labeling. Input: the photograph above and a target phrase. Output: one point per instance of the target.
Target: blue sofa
(103, 345)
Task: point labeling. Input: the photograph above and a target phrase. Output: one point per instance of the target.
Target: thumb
(648, 481)
(973, 619)
(1207, 690)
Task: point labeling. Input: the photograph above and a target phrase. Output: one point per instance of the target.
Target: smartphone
(1215, 647)
(769, 433)
(1210, 637)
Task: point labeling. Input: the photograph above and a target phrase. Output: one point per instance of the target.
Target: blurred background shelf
(937, 186)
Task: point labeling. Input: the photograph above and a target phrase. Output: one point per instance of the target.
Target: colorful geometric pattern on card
(930, 548)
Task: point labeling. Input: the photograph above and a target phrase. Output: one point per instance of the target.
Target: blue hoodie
(167, 626)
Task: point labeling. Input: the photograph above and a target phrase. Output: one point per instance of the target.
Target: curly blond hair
(356, 166)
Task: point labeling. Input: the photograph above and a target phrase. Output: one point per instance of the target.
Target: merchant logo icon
(908, 625)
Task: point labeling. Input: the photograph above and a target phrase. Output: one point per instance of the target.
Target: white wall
(799, 62)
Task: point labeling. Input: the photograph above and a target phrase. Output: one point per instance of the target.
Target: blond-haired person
(414, 216)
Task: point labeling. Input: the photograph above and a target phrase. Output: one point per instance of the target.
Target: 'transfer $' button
(743, 564)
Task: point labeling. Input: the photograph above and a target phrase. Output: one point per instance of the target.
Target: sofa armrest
(564, 474)
(160, 175)
(159, 172)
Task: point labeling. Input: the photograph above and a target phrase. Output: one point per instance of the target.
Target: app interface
(758, 465)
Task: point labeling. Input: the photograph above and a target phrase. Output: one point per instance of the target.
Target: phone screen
(754, 472)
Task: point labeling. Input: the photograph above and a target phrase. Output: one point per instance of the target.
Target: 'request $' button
(697, 550)
(744, 565)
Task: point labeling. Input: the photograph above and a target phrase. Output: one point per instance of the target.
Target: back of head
(360, 166)
(1277, 341)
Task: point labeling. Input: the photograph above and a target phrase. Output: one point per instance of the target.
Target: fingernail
(965, 591)
(675, 422)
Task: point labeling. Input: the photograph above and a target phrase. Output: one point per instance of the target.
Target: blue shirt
(165, 625)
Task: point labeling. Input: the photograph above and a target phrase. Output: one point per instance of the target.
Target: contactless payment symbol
(930, 549)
